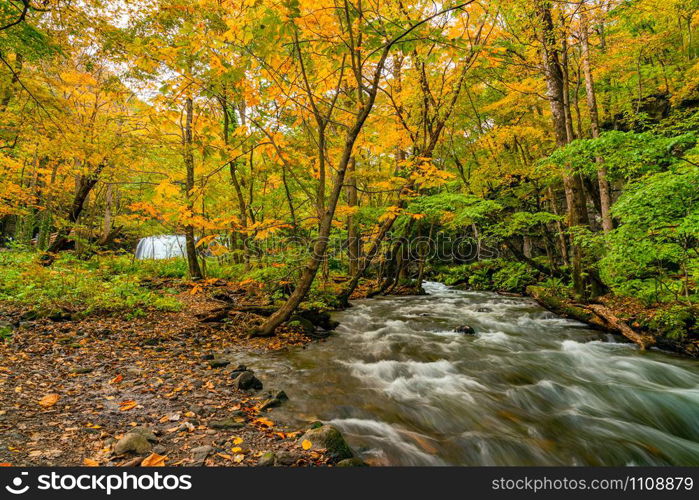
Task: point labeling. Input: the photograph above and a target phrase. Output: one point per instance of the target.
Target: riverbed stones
(267, 459)
(274, 399)
(351, 462)
(286, 458)
(145, 432)
(219, 363)
(484, 310)
(226, 423)
(199, 454)
(306, 326)
(247, 381)
(330, 439)
(465, 329)
(132, 442)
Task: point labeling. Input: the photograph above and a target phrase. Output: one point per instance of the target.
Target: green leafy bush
(652, 255)
(106, 283)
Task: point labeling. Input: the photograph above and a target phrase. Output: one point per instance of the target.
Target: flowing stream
(529, 388)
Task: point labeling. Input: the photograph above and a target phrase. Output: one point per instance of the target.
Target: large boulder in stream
(328, 438)
(247, 381)
(465, 329)
(318, 318)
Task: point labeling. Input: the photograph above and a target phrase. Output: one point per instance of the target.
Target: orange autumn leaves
(49, 400)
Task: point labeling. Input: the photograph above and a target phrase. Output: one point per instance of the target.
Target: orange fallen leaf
(223, 455)
(49, 400)
(306, 444)
(265, 422)
(154, 460)
(117, 379)
(91, 463)
(127, 405)
(5, 464)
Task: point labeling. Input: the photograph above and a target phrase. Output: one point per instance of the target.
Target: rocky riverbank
(165, 389)
(647, 327)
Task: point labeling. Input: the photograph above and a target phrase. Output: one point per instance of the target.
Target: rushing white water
(529, 388)
(165, 246)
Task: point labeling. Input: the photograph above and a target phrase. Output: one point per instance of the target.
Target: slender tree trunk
(554, 76)
(107, 219)
(604, 189)
(192, 260)
(353, 245)
(319, 247)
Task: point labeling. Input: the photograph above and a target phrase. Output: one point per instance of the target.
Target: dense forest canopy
(311, 145)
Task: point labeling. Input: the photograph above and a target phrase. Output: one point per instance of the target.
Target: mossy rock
(302, 323)
(351, 462)
(330, 439)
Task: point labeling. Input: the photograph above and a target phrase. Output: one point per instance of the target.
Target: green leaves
(653, 251)
(626, 155)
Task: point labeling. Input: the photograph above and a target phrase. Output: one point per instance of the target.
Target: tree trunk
(192, 261)
(353, 245)
(61, 241)
(572, 184)
(604, 189)
(319, 247)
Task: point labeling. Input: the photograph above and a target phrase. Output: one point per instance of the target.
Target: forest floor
(70, 390)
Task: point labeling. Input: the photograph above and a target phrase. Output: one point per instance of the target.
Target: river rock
(351, 462)
(238, 370)
(219, 363)
(330, 439)
(319, 318)
(247, 381)
(274, 399)
(145, 432)
(465, 329)
(226, 423)
(267, 459)
(132, 442)
(286, 458)
(301, 322)
(199, 454)
(484, 310)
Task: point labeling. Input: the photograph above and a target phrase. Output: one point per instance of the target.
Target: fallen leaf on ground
(127, 405)
(264, 422)
(306, 444)
(91, 463)
(154, 460)
(117, 379)
(49, 400)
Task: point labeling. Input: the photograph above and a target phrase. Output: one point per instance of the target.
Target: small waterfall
(165, 246)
